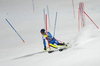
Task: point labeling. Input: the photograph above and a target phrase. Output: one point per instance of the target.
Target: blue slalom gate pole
(48, 15)
(55, 25)
(15, 30)
(44, 18)
(33, 5)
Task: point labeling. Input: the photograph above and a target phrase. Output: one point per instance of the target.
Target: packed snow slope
(28, 22)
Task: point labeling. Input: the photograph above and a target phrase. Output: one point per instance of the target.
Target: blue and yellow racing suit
(52, 40)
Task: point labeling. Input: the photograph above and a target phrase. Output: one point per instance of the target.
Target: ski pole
(15, 30)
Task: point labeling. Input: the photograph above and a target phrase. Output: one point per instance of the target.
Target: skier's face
(43, 33)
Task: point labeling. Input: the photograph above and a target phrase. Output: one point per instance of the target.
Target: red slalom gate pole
(83, 14)
(91, 19)
(46, 32)
(79, 19)
(73, 8)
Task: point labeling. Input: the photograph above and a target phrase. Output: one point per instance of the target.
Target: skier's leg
(62, 44)
(54, 46)
(51, 43)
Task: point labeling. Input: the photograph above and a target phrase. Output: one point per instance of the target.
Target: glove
(45, 48)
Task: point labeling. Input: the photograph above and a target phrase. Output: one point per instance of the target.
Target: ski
(57, 50)
(60, 49)
(50, 51)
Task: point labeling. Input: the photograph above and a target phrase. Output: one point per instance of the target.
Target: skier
(51, 39)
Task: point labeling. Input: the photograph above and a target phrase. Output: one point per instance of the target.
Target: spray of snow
(88, 33)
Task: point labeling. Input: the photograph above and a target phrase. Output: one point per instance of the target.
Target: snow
(86, 43)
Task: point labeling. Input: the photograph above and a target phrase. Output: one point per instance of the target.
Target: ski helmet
(42, 30)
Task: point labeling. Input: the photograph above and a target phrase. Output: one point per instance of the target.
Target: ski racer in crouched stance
(51, 39)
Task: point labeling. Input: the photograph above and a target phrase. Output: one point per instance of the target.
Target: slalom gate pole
(81, 16)
(91, 19)
(48, 15)
(81, 10)
(15, 30)
(55, 25)
(79, 19)
(44, 18)
(46, 32)
(84, 14)
(33, 5)
(73, 8)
